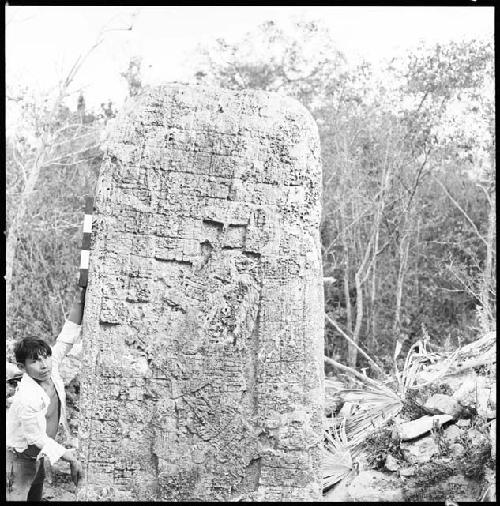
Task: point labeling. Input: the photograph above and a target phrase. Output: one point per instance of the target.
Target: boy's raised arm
(71, 329)
(76, 313)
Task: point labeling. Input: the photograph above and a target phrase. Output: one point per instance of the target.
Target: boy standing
(38, 408)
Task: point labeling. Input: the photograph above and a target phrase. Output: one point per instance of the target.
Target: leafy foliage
(408, 157)
(48, 240)
(380, 445)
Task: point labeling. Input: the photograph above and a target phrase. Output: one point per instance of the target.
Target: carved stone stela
(203, 334)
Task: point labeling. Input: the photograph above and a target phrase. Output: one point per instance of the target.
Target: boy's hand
(76, 313)
(69, 455)
(74, 465)
(76, 471)
(49, 475)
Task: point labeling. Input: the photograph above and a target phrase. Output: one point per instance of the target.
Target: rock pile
(443, 450)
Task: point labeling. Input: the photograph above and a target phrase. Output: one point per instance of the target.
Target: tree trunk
(359, 279)
(417, 266)
(347, 296)
(488, 284)
(372, 320)
(403, 267)
(353, 352)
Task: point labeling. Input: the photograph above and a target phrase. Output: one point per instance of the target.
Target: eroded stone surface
(443, 404)
(486, 402)
(493, 439)
(368, 486)
(453, 433)
(420, 451)
(391, 464)
(416, 428)
(203, 334)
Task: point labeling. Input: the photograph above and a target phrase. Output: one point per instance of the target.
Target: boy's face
(38, 369)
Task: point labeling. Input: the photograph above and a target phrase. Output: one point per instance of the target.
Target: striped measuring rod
(87, 233)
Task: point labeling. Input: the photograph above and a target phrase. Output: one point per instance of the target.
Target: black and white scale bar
(87, 233)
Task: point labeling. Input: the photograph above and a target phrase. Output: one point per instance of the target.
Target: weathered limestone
(420, 451)
(411, 430)
(203, 332)
(493, 439)
(443, 404)
(368, 486)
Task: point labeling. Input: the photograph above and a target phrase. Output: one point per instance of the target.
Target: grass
(382, 444)
(477, 455)
(412, 408)
(429, 476)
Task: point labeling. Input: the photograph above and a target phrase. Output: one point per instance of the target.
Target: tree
(384, 137)
(44, 193)
(49, 148)
(300, 60)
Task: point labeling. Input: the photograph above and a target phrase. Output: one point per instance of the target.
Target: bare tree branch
(345, 336)
(459, 207)
(351, 371)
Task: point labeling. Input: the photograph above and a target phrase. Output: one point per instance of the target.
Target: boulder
(456, 450)
(476, 437)
(459, 488)
(453, 433)
(477, 392)
(391, 464)
(490, 493)
(465, 394)
(464, 423)
(486, 402)
(452, 381)
(443, 404)
(456, 488)
(367, 486)
(415, 428)
(407, 472)
(420, 451)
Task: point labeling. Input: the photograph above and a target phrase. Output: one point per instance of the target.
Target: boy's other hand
(47, 469)
(49, 473)
(76, 471)
(69, 455)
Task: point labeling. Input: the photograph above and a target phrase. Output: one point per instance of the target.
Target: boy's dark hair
(31, 347)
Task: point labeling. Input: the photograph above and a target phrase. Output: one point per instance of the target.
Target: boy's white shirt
(26, 423)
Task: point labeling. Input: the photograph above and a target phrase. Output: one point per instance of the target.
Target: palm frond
(374, 408)
(368, 395)
(439, 371)
(337, 458)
